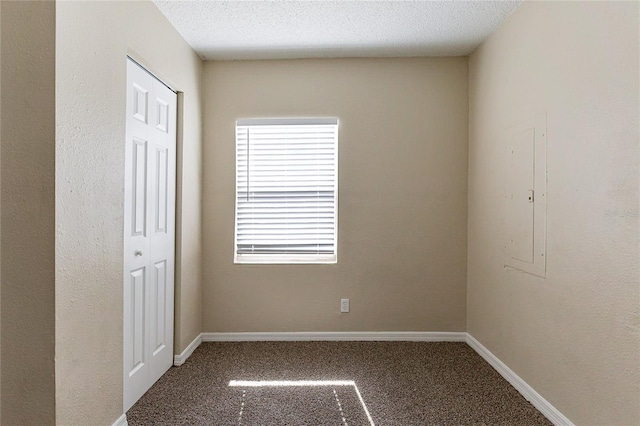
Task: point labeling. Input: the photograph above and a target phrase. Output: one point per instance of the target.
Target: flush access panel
(525, 194)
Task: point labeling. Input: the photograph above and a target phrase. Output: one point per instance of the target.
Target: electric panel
(525, 195)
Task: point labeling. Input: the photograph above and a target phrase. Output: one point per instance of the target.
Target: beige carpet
(333, 383)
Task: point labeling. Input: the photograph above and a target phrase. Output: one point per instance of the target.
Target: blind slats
(286, 187)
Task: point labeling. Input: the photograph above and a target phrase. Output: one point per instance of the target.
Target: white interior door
(149, 231)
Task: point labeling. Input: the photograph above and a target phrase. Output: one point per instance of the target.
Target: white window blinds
(286, 190)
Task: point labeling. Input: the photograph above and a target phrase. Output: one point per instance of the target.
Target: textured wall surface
(93, 39)
(402, 196)
(27, 213)
(573, 336)
(0, 214)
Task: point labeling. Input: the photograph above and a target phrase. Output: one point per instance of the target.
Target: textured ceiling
(220, 30)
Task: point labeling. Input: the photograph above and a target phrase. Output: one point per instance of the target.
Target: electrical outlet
(344, 305)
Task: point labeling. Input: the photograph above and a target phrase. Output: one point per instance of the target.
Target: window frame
(287, 258)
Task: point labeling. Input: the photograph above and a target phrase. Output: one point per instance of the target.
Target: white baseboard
(122, 421)
(544, 406)
(406, 336)
(178, 360)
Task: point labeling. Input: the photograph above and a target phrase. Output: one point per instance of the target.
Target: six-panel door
(149, 231)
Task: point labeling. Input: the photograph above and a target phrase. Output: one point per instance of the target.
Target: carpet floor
(333, 383)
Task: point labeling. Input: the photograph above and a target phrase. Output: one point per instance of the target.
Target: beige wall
(574, 335)
(0, 213)
(402, 196)
(92, 41)
(27, 213)
(403, 201)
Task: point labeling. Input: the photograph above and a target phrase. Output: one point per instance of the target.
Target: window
(286, 190)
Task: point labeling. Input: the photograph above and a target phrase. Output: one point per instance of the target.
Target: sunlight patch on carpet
(246, 384)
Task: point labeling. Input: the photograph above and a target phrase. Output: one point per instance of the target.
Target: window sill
(249, 259)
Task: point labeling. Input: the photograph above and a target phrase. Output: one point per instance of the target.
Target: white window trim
(285, 259)
(289, 258)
